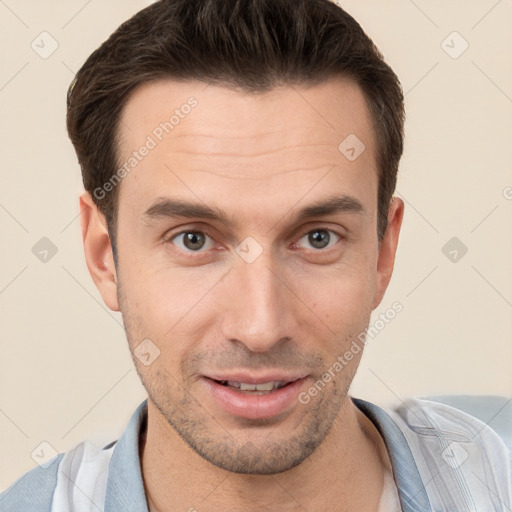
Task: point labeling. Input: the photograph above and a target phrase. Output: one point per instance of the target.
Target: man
(239, 160)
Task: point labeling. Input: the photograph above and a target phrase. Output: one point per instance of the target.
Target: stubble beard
(230, 449)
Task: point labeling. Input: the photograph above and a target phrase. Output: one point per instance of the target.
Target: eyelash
(201, 252)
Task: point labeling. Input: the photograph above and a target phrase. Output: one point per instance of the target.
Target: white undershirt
(389, 500)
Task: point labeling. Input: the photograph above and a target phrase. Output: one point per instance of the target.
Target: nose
(259, 308)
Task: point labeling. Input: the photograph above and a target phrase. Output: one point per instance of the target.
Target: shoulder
(479, 417)
(46, 488)
(494, 411)
(33, 491)
(462, 448)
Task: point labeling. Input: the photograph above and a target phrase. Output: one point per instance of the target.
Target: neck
(346, 472)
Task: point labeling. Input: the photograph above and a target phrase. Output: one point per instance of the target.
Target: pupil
(194, 241)
(319, 239)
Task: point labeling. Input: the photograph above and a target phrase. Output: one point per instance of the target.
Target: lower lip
(245, 405)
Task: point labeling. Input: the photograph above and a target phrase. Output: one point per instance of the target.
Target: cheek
(346, 312)
(175, 311)
(343, 296)
(163, 295)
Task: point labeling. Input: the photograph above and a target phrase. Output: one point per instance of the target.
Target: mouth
(251, 396)
(254, 389)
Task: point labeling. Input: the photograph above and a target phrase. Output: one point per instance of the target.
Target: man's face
(260, 293)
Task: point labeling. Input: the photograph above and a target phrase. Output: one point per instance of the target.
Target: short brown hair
(253, 45)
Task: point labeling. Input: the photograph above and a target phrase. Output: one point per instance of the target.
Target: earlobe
(387, 251)
(98, 250)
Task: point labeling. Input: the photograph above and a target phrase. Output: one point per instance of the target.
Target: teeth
(266, 386)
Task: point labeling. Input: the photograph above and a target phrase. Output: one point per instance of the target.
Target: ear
(98, 250)
(387, 251)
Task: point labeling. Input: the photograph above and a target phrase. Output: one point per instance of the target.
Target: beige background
(65, 371)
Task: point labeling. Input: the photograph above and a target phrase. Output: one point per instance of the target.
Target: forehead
(197, 139)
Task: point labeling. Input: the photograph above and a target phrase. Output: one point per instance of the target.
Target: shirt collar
(413, 496)
(125, 488)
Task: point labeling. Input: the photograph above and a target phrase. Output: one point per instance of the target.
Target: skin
(259, 158)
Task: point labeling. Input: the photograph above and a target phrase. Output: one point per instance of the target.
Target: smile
(260, 398)
(254, 388)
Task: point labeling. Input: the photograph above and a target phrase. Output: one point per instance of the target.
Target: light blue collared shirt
(443, 459)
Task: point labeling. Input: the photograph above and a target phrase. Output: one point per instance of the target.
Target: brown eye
(192, 241)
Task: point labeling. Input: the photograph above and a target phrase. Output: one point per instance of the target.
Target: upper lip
(257, 377)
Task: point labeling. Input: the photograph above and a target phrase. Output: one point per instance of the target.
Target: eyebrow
(165, 207)
(330, 206)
